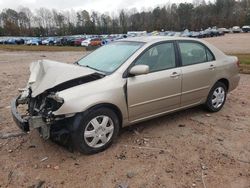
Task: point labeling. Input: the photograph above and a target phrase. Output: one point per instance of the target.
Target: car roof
(153, 39)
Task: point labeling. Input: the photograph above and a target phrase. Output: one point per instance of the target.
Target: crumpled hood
(46, 74)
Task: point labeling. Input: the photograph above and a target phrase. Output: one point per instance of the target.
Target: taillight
(238, 63)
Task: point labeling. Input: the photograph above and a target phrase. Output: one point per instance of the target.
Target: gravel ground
(186, 149)
(232, 43)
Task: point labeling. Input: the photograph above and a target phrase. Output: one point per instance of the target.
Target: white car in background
(33, 41)
(86, 42)
(48, 41)
(236, 29)
(224, 30)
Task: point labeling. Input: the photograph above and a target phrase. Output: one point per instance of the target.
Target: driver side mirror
(139, 70)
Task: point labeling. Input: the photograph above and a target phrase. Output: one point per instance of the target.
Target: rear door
(159, 90)
(198, 70)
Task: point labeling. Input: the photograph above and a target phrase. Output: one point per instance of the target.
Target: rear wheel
(217, 97)
(95, 130)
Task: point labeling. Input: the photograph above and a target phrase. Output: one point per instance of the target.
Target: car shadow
(164, 119)
(139, 127)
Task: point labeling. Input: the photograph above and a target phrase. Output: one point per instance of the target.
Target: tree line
(194, 16)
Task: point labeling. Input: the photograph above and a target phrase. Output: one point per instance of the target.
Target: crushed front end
(34, 108)
(36, 113)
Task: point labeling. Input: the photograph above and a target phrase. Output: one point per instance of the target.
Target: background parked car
(171, 33)
(207, 33)
(48, 41)
(99, 40)
(86, 42)
(215, 32)
(61, 41)
(96, 42)
(10, 41)
(110, 38)
(186, 33)
(236, 29)
(224, 30)
(246, 28)
(78, 41)
(34, 41)
(19, 41)
(211, 32)
(70, 41)
(177, 34)
(58, 41)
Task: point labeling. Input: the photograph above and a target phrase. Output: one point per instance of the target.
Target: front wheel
(95, 130)
(217, 97)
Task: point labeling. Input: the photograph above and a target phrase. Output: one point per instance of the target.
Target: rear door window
(193, 53)
(210, 56)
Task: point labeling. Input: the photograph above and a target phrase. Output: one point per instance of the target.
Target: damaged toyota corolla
(120, 84)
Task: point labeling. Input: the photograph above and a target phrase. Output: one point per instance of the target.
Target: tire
(212, 104)
(89, 136)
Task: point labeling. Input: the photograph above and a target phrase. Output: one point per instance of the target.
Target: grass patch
(244, 58)
(244, 62)
(40, 48)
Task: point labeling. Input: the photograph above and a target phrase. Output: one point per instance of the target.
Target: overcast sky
(90, 5)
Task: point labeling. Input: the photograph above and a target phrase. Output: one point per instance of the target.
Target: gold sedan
(122, 83)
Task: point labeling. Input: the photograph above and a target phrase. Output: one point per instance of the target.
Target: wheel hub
(98, 131)
(218, 97)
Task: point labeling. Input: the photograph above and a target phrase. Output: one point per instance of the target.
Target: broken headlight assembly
(41, 112)
(53, 102)
(44, 105)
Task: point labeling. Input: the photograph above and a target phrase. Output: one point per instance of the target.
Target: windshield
(108, 58)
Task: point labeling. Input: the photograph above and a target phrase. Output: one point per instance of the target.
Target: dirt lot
(232, 43)
(187, 149)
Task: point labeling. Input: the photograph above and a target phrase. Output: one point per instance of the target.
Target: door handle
(212, 67)
(174, 75)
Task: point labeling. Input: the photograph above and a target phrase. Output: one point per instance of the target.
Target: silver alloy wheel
(218, 97)
(99, 131)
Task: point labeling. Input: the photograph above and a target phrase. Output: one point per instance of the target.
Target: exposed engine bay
(39, 110)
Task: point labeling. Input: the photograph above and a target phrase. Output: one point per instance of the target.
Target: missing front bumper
(25, 124)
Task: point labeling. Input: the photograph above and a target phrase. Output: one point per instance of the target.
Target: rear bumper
(234, 82)
(22, 123)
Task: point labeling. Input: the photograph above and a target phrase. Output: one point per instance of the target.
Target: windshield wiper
(100, 72)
